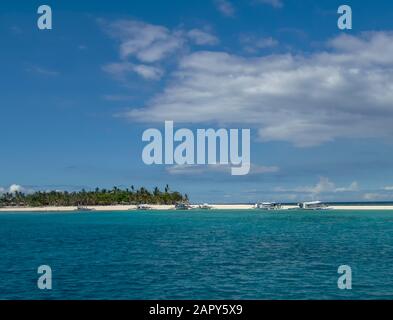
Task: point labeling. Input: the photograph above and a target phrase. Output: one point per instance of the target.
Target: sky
(75, 100)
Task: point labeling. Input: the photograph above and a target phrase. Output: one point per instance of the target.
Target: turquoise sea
(197, 254)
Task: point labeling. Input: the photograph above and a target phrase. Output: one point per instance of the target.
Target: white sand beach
(172, 207)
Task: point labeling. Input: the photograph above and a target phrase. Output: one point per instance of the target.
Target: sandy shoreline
(172, 207)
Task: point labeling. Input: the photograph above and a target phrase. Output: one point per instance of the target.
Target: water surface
(197, 254)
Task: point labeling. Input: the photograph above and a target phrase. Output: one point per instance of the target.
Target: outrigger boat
(205, 206)
(314, 205)
(144, 207)
(182, 206)
(84, 209)
(268, 206)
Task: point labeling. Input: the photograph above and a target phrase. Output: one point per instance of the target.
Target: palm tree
(96, 197)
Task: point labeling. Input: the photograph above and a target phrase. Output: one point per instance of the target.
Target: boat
(268, 206)
(205, 206)
(144, 207)
(314, 205)
(84, 209)
(182, 206)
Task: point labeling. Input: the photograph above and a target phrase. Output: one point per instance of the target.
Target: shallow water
(197, 255)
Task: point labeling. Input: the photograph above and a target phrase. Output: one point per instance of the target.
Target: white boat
(205, 206)
(268, 206)
(144, 207)
(314, 205)
(182, 206)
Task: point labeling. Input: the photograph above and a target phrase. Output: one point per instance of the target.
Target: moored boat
(84, 209)
(205, 206)
(144, 207)
(268, 206)
(182, 206)
(314, 205)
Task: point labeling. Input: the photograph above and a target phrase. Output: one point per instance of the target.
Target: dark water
(197, 255)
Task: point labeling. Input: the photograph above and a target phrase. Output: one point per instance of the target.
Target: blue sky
(76, 99)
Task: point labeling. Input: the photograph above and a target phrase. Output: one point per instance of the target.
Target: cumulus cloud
(146, 42)
(12, 189)
(120, 70)
(201, 37)
(324, 185)
(225, 7)
(15, 188)
(142, 46)
(345, 91)
(354, 186)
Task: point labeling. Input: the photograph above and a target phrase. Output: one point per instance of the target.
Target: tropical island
(118, 199)
(98, 197)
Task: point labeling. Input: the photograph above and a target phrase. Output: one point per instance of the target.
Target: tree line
(98, 197)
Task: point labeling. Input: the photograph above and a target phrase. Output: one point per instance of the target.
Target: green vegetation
(97, 197)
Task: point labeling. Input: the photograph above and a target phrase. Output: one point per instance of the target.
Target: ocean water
(197, 255)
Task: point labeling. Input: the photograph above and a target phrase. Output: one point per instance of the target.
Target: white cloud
(120, 70)
(354, 186)
(12, 189)
(145, 42)
(142, 46)
(273, 3)
(201, 37)
(200, 169)
(225, 7)
(16, 188)
(388, 188)
(323, 186)
(148, 72)
(344, 91)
